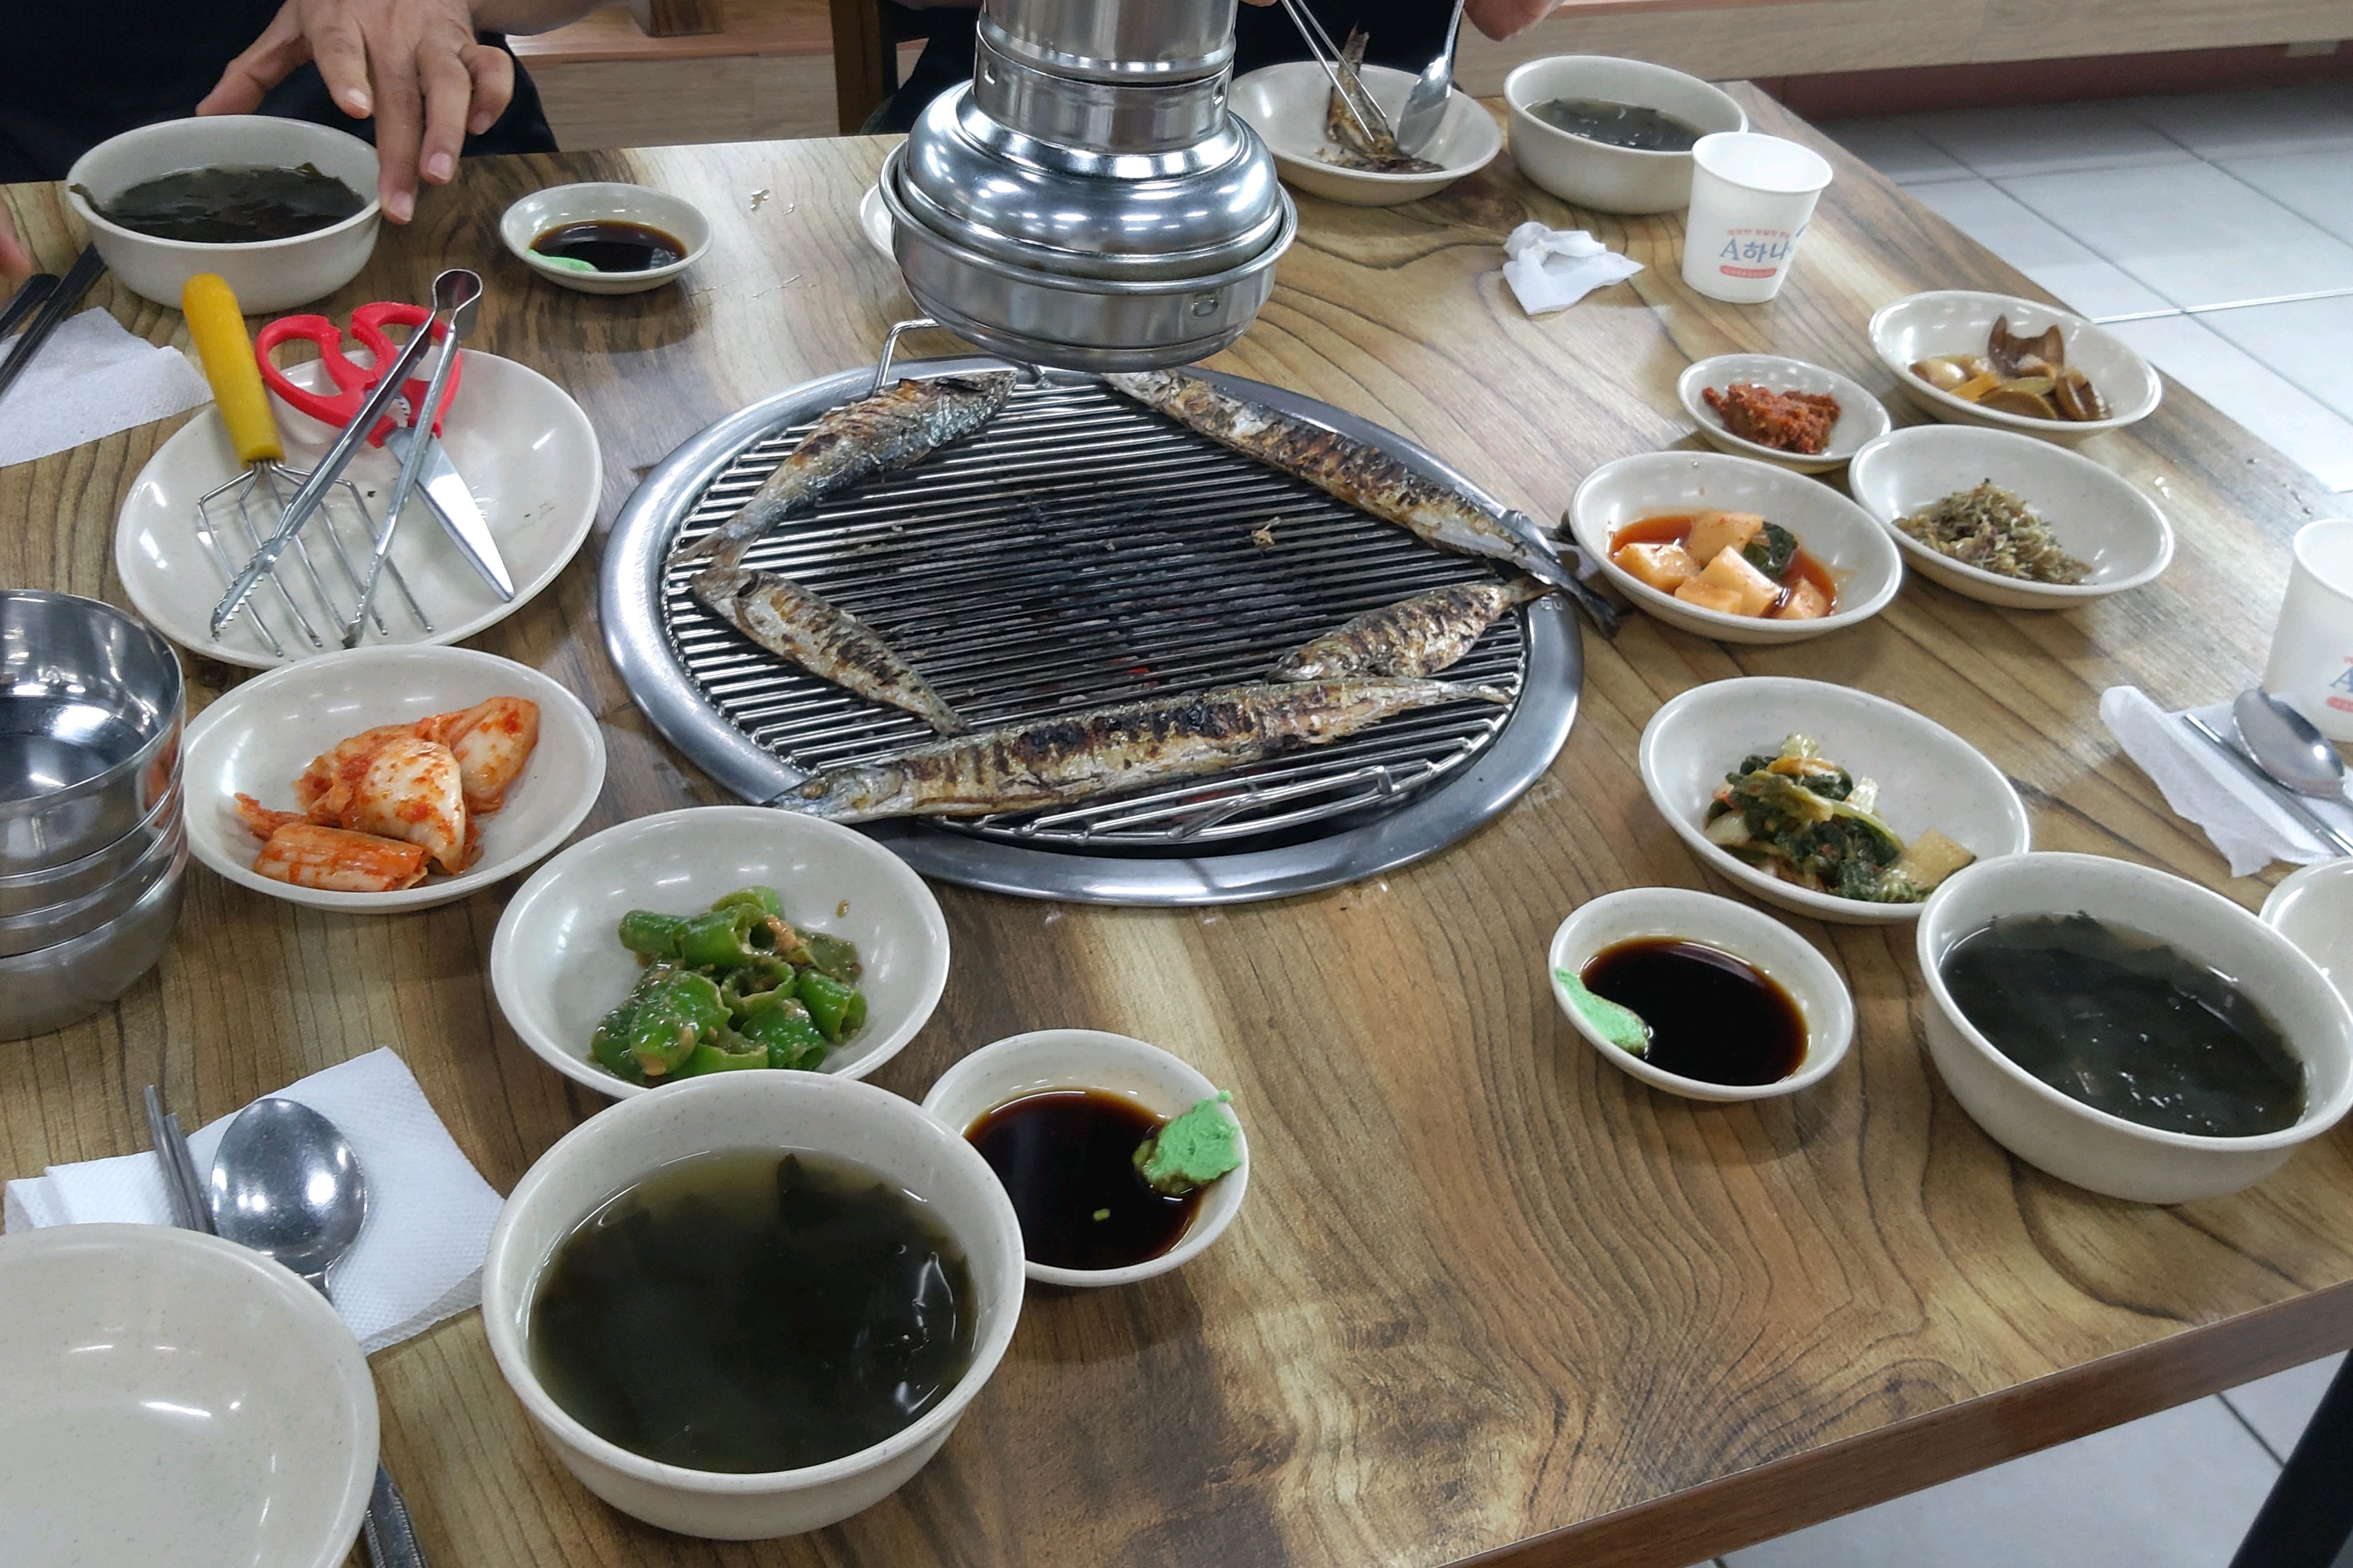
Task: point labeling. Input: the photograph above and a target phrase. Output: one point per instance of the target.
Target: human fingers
(267, 62)
(399, 131)
(341, 46)
(493, 73)
(449, 88)
(16, 261)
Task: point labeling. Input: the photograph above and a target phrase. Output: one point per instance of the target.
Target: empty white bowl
(169, 1397)
(1958, 321)
(1595, 174)
(259, 737)
(267, 275)
(798, 1111)
(536, 214)
(1765, 943)
(1089, 1058)
(557, 965)
(1929, 777)
(1860, 556)
(2313, 909)
(2091, 1148)
(2096, 514)
(1284, 105)
(1862, 418)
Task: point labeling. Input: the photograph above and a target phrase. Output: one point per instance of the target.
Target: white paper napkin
(2246, 823)
(91, 379)
(418, 1258)
(1553, 269)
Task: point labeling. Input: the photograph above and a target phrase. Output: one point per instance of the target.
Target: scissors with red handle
(444, 490)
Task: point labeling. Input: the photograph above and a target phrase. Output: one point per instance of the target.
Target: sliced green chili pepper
(759, 896)
(744, 988)
(720, 939)
(610, 1045)
(655, 935)
(677, 1011)
(831, 955)
(708, 1058)
(827, 1000)
(785, 1028)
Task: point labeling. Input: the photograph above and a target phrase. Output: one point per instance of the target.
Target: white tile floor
(2181, 222)
(2214, 230)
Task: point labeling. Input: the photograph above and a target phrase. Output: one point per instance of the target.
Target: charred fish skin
(1362, 475)
(1374, 153)
(1076, 757)
(821, 636)
(1412, 638)
(898, 426)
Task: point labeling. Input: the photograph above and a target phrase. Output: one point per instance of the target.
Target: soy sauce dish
(605, 237)
(1699, 995)
(1092, 1135)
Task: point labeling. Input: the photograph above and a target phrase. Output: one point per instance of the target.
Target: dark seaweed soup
(232, 206)
(741, 1312)
(2127, 1025)
(1617, 124)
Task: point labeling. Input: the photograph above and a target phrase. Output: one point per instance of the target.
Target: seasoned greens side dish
(1808, 821)
(735, 986)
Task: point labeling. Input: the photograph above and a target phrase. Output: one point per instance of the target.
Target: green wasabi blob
(1192, 1150)
(1622, 1027)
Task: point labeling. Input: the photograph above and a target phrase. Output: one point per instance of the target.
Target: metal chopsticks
(29, 294)
(190, 1211)
(2273, 787)
(1355, 96)
(54, 308)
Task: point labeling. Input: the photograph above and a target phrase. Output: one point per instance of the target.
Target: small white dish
(2313, 909)
(169, 1397)
(874, 223)
(1088, 1058)
(267, 275)
(1285, 103)
(1929, 777)
(1861, 420)
(526, 219)
(557, 965)
(1594, 175)
(258, 737)
(798, 1112)
(2071, 1140)
(1861, 558)
(1780, 953)
(528, 454)
(1958, 321)
(2096, 515)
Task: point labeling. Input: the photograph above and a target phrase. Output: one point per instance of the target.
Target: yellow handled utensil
(218, 328)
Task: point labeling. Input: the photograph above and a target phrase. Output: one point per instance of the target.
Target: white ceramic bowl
(259, 737)
(1959, 320)
(2313, 909)
(170, 1397)
(1861, 420)
(1089, 1058)
(2091, 1148)
(557, 965)
(536, 214)
(809, 1112)
(1832, 528)
(1782, 953)
(267, 275)
(874, 223)
(2097, 515)
(1929, 777)
(1594, 175)
(1284, 105)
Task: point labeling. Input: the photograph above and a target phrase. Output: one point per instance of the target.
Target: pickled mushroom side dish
(1733, 562)
(2026, 376)
(1803, 818)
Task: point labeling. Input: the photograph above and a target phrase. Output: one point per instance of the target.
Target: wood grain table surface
(1487, 1295)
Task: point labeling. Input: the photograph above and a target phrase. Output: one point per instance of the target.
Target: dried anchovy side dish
(1810, 822)
(1990, 529)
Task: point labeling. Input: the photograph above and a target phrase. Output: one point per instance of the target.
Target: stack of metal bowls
(92, 846)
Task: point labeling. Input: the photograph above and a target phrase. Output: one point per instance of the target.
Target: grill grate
(1081, 550)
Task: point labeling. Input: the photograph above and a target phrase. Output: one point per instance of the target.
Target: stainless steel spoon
(2292, 755)
(285, 1182)
(1425, 106)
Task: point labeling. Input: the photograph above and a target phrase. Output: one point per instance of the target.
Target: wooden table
(1488, 1295)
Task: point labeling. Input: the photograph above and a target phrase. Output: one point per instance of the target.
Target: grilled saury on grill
(1362, 475)
(903, 423)
(822, 638)
(1079, 756)
(1415, 637)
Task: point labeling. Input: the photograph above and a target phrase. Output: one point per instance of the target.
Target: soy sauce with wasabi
(1713, 1016)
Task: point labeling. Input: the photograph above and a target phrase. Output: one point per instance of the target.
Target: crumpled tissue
(1553, 269)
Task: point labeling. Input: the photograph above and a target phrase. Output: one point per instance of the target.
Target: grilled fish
(1412, 638)
(1078, 756)
(1362, 475)
(823, 639)
(902, 424)
(1356, 146)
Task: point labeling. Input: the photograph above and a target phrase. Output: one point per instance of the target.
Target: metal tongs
(456, 293)
(1355, 96)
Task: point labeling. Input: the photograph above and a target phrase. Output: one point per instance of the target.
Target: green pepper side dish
(734, 986)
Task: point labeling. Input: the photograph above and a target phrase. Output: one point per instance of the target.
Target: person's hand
(412, 64)
(16, 261)
(1502, 19)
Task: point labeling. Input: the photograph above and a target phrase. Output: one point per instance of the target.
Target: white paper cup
(2312, 650)
(1752, 197)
